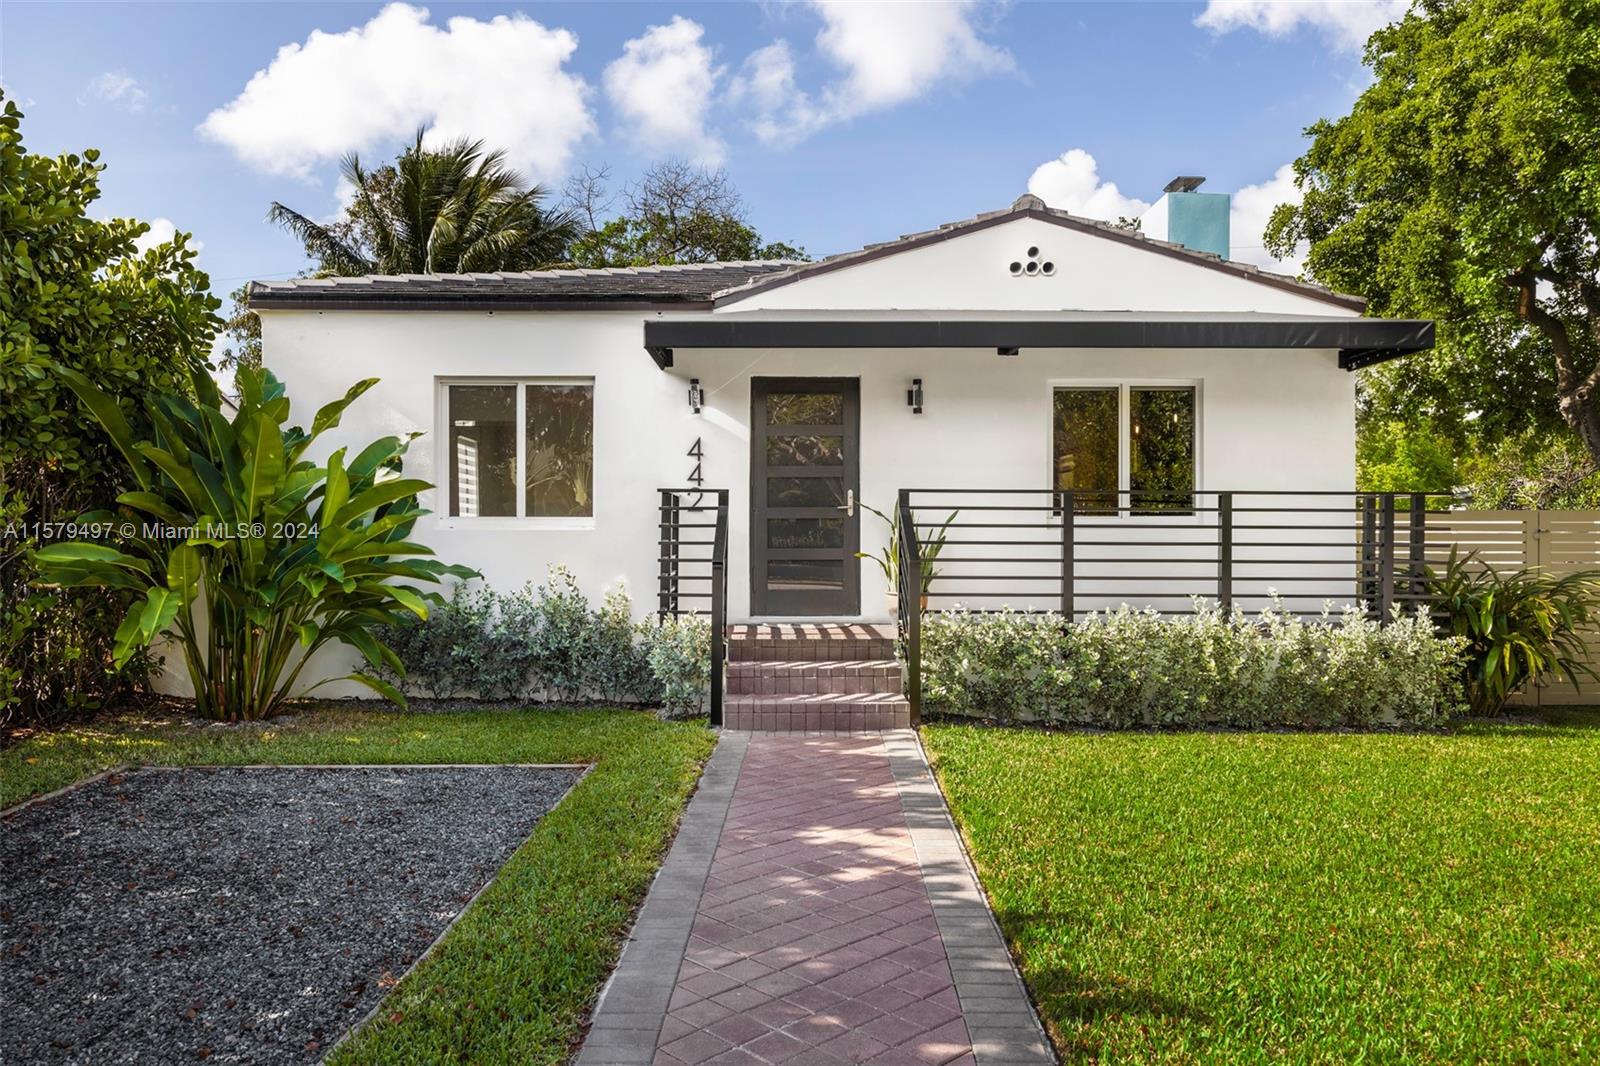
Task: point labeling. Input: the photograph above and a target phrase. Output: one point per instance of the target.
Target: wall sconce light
(914, 396)
(1008, 351)
(697, 395)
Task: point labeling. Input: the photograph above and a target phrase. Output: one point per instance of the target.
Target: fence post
(1366, 585)
(1068, 573)
(910, 548)
(1225, 551)
(719, 605)
(1386, 560)
(1417, 543)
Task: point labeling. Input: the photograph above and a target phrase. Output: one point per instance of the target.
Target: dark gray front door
(804, 479)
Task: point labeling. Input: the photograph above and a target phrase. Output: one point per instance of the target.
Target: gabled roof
(1030, 206)
(687, 286)
(701, 286)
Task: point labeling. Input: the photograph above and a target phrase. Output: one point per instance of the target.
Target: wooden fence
(1560, 542)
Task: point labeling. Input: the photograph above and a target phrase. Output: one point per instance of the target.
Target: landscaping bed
(242, 915)
(1225, 897)
(513, 977)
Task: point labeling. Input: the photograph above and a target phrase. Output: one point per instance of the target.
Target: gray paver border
(627, 1018)
(1000, 1018)
(44, 797)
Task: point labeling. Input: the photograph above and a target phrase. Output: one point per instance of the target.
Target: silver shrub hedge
(547, 644)
(1135, 669)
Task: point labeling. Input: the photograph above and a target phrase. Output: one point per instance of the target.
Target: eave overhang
(1359, 341)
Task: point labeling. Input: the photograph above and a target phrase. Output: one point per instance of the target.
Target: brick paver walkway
(815, 939)
(816, 908)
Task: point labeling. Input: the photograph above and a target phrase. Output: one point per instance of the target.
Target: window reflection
(1087, 448)
(483, 447)
(560, 451)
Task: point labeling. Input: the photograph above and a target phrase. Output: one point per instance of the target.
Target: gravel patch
(235, 914)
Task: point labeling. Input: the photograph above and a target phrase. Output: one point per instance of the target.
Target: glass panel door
(804, 481)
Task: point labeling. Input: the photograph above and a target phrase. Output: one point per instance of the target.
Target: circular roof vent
(1032, 266)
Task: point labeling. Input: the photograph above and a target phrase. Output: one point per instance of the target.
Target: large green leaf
(151, 503)
(222, 503)
(160, 608)
(381, 687)
(184, 570)
(328, 416)
(409, 598)
(336, 492)
(374, 455)
(383, 492)
(87, 552)
(182, 475)
(263, 463)
(109, 415)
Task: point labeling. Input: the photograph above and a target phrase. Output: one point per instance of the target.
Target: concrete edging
(1000, 1018)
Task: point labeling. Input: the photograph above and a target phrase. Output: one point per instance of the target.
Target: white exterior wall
(1267, 419)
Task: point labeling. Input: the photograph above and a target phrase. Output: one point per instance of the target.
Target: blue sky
(840, 124)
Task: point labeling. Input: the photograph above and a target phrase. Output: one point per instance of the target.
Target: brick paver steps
(814, 677)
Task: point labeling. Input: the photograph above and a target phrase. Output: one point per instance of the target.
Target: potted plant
(889, 559)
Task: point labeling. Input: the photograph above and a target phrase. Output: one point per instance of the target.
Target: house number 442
(697, 476)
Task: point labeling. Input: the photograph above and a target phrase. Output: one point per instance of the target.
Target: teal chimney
(1196, 220)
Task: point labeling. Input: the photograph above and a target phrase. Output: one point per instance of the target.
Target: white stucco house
(1024, 349)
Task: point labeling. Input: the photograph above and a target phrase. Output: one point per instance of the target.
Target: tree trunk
(1577, 387)
(1583, 415)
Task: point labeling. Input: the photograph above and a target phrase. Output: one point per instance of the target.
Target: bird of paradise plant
(246, 553)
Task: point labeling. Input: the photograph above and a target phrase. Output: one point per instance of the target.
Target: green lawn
(1309, 898)
(512, 981)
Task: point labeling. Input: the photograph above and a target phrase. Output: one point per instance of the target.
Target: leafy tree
(676, 213)
(453, 209)
(248, 553)
(1533, 471)
(1464, 186)
(74, 292)
(242, 327)
(1404, 456)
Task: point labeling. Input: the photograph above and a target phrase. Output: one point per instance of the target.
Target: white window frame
(446, 465)
(1124, 387)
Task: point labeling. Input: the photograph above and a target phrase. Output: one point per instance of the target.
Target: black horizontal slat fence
(693, 562)
(1078, 551)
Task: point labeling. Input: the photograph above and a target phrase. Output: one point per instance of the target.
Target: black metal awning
(1359, 341)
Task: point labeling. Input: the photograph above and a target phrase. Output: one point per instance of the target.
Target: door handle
(849, 505)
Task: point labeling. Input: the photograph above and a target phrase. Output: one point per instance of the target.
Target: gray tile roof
(678, 285)
(702, 285)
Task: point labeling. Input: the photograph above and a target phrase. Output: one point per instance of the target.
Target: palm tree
(454, 209)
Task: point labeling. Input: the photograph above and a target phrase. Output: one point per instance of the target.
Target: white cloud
(161, 231)
(783, 113)
(501, 80)
(662, 86)
(1346, 23)
(1071, 182)
(120, 90)
(1252, 206)
(894, 52)
(887, 54)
